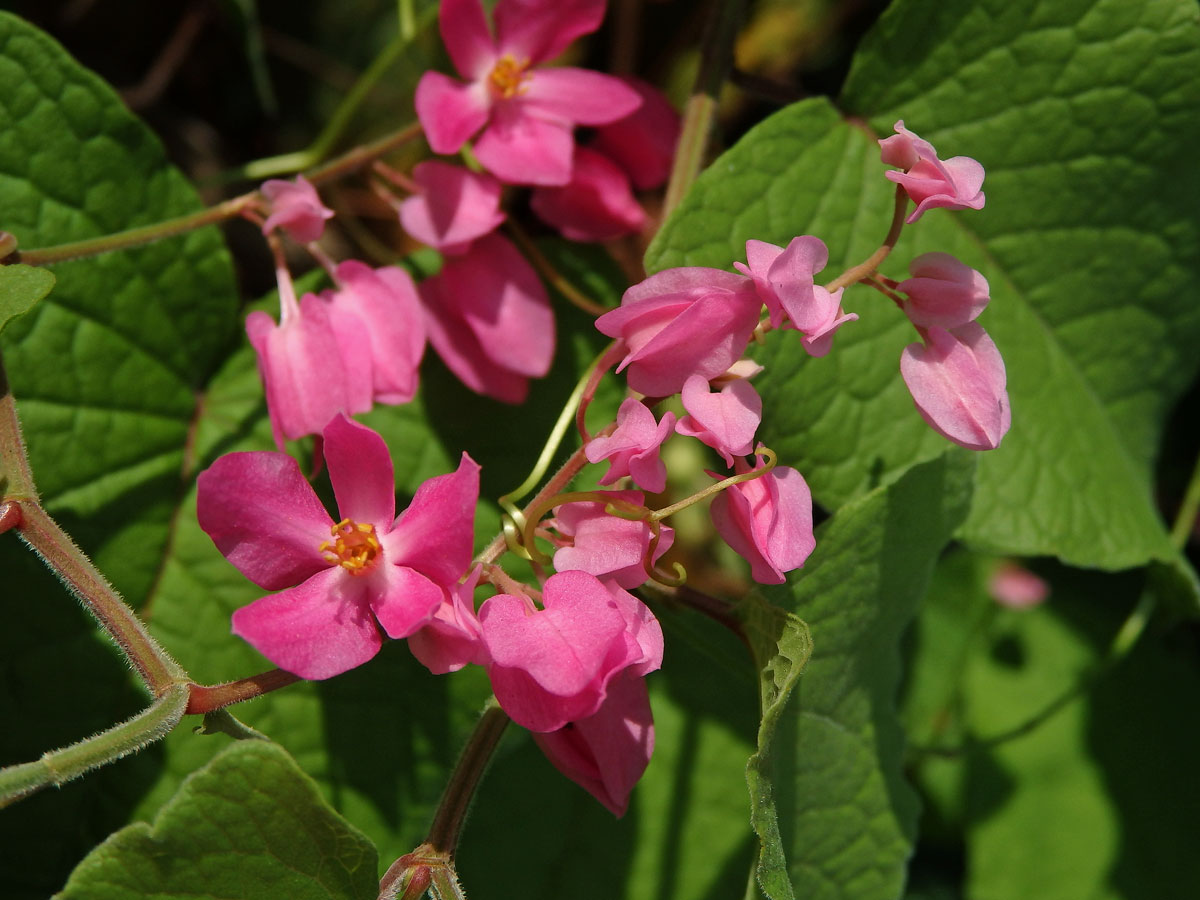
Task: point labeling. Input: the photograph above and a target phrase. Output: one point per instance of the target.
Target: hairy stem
(59, 766)
(209, 698)
(716, 61)
(452, 810)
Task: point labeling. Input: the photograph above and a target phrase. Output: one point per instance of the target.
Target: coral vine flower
(607, 752)
(768, 521)
(726, 420)
(642, 143)
(552, 666)
(527, 114)
(595, 205)
(344, 580)
(490, 320)
(453, 208)
(943, 291)
(633, 448)
(931, 183)
(607, 546)
(958, 383)
(296, 208)
(682, 322)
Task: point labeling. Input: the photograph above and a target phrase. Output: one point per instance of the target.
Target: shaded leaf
(20, 288)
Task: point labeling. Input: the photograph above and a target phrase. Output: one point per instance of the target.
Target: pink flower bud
(633, 449)
(726, 420)
(768, 521)
(682, 322)
(643, 143)
(296, 208)
(452, 637)
(453, 208)
(595, 205)
(931, 183)
(607, 546)
(1016, 587)
(958, 382)
(943, 291)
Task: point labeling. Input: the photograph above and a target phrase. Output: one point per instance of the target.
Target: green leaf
(1084, 115)
(20, 288)
(846, 817)
(249, 824)
(781, 644)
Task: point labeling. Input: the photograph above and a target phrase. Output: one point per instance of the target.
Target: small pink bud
(633, 449)
(958, 382)
(607, 546)
(932, 183)
(726, 420)
(453, 208)
(296, 208)
(943, 291)
(1016, 587)
(768, 521)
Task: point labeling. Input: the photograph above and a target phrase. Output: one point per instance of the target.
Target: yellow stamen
(508, 77)
(355, 547)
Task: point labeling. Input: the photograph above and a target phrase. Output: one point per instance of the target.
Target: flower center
(354, 547)
(508, 77)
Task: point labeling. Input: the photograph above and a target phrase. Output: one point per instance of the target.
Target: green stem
(452, 810)
(1185, 519)
(716, 60)
(80, 576)
(60, 766)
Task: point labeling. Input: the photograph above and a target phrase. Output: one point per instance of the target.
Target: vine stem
(871, 264)
(716, 60)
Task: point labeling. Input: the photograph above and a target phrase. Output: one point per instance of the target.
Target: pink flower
(607, 546)
(958, 382)
(943, 291)
(768, 521)
(633, 448)
(595, 205)
(784, 280)
(682, 322)
(607, 752)
(306, 380)
(452, 637)
(931, 183)
(351, 578)
(726, 420)
(552, 666)
(296, 208)
(489, 319)
(642, 143)
(527, 114)
(377, 319)
(453, 208)
(1016, 587)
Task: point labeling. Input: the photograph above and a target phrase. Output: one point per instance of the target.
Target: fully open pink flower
(344, 580)
(768, 521)
(607, 752)
(932, 183)
(489, 319)
(453, 208)
(725, 420)
(607, 546)
(633, 449)
(595, 205)
(784, 280)
(682, 322)
(552, 666)
(296, 208)
(643, 142)
(527, 114)
(943, 291)
(958, 382)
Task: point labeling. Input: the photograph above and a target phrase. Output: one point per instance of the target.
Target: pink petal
(607, 546)
(595, 205)
(686, 280)
(634, 447)
(539, 30)
(607, 752)
(452, 638)
(360, 468)
(296, 208)
(403, 600)
(521, 148)
(264, 517)
(643, 143)
(465, 33)
(454, 207)
(768, 521)
(436, 534)
(450, 111)
(943, 291)
(725, 421)
(579, 95)
(316, 630)
(499, 296)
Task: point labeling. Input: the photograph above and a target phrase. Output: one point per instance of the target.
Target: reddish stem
(209, 698)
